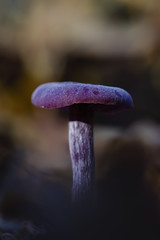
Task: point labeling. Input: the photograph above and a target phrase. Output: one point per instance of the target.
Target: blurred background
(115, 43)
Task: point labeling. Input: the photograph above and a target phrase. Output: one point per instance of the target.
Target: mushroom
(82, 100)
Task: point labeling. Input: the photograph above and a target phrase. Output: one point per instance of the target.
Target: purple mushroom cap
(64, 94)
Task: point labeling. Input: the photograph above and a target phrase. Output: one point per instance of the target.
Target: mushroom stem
(82, 151)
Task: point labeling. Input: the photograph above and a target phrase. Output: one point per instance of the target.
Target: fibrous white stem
(82, 152)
